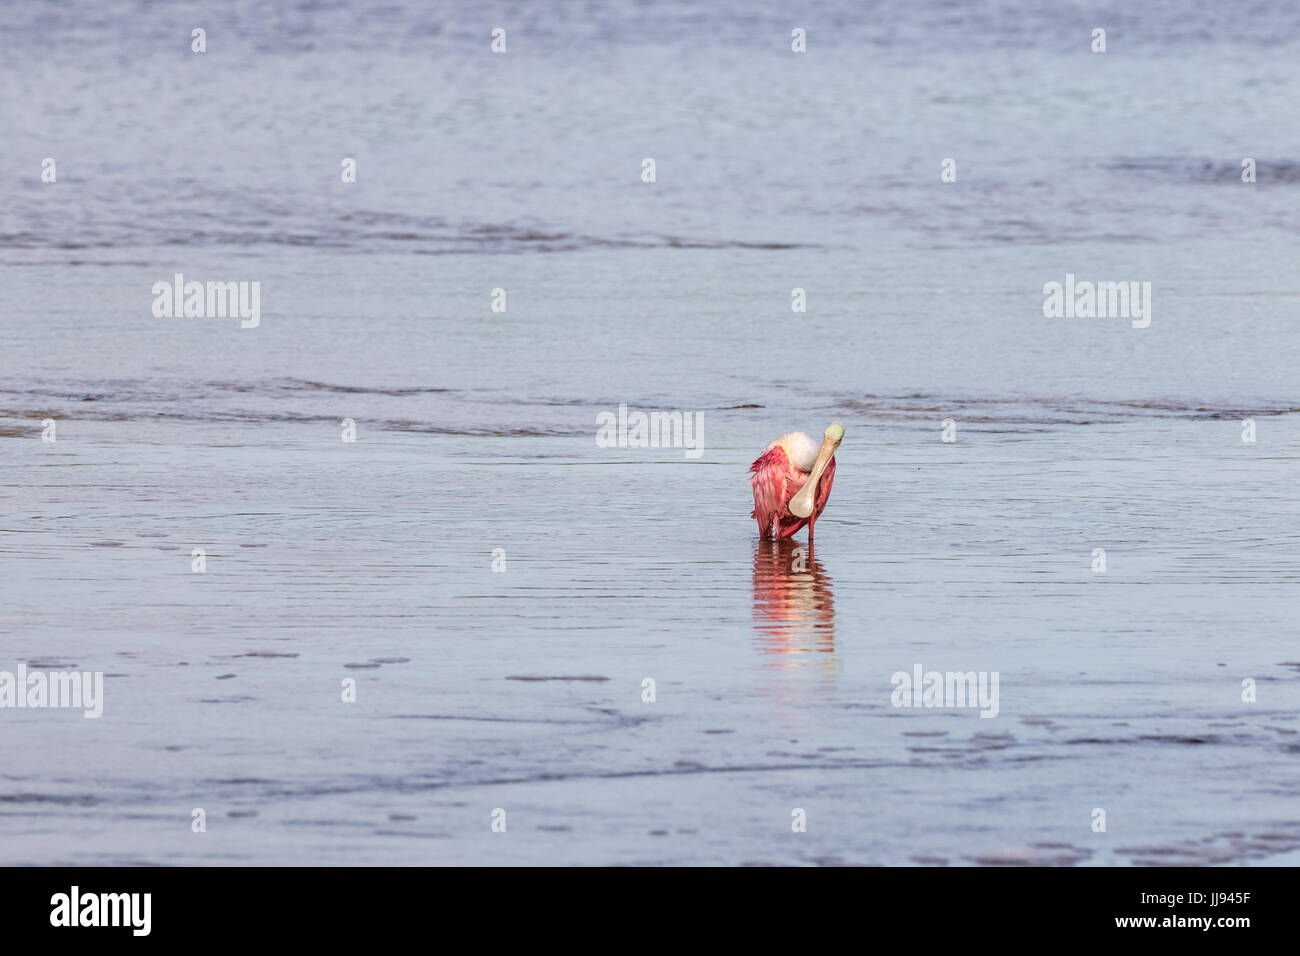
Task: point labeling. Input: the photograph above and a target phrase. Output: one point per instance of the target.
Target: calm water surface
(522, 690)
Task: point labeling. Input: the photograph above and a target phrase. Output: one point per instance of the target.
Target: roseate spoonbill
(792, 482)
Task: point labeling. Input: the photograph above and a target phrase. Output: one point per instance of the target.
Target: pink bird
(792, 482)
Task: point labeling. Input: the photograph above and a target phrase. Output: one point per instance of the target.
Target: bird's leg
(811, 521)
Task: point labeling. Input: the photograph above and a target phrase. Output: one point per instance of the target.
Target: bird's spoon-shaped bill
(801, 505)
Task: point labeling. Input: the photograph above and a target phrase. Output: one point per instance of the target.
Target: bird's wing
(770, 478)
(824, 489)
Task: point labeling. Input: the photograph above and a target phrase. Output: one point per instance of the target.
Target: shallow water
(476, 430)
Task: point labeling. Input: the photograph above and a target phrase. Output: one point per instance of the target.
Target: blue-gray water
(476, 430)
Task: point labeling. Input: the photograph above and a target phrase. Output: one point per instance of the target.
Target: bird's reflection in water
(794, 609)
